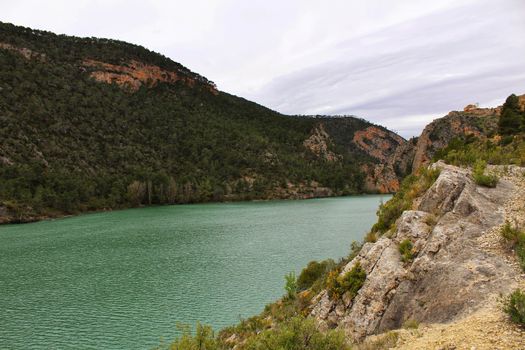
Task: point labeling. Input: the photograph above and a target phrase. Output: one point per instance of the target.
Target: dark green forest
(71, 144)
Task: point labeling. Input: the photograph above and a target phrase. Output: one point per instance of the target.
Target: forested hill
(89, 124)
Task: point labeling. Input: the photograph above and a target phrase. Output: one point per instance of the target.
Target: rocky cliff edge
(459, 265)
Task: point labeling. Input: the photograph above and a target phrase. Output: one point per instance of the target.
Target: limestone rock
(452, 272)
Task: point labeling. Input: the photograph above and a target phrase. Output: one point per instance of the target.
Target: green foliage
(512, 119)
(381, 342)
(411, 324)
(406, 250)
(291, 285)
(204, 339)
(314, 272)
(355, 248)
(350, 282)
(515, 238)
(371, 237)
(297, 334)
(463, 152)
(411, 187)
(478, 173)
(514, 306)
(71, 144)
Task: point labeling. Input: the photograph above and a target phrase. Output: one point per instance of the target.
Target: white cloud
(397, 63)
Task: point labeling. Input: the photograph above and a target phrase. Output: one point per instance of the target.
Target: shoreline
(33, 219)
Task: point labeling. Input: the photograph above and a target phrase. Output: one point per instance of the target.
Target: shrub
(291, 285)
(355, 248)
(507, 150)
(313, 272)
(516, 240)
(411, 324)
(478, 173)
(204, 339)
(405, 249)
(411, 187)
(514, 306)
(298, 333)
(350, 282)
(381, 342)
(371, 237)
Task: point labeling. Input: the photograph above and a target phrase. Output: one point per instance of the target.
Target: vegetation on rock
(514, 306)
(350, 282)
(298, 333)
(405, 249)
(515, 239)
(314, 272)
(412, 187)
(482, 179)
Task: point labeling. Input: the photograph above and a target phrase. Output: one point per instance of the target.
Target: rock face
(392, 153)
(452, 272)
(135, 74)
(384, 157)
(318, 144)
(479, 122)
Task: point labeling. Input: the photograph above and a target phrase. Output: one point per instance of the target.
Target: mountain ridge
(91, 124)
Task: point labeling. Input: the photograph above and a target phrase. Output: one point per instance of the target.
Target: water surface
(123, 279)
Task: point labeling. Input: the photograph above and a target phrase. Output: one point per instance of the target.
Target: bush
(350, 282)
(405, 249)
(514, 306)
(355, 248)
(298, 333)
(204, 339)
(291, 285)
(508, 150)
(412, 187)
(516, 240)
(381, 342)
(313, 272)
(478, 173)
(371, 237)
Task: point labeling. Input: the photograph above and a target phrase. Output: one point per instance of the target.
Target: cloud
(397, 63)
(425, 66)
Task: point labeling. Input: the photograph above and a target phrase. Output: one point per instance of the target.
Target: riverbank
(9, 216)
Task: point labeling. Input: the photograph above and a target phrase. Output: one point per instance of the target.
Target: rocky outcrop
(27, 53)
(393, 156)
(318, 143)
(453, 271)
(134, 74)
(479, 122)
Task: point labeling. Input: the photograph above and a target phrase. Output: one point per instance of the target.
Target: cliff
(457, 270)
(478, 122)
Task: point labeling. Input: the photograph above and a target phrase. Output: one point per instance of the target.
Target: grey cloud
(397, 63)
(425, 66)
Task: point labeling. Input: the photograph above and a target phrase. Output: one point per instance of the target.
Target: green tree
(511, 119)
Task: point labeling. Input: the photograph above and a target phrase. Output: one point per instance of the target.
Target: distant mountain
(90, 124)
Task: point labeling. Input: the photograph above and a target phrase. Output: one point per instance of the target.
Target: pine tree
(510, 121)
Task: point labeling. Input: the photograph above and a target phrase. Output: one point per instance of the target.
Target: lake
(124, 279)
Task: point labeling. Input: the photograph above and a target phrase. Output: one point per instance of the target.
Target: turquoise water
(124, 279)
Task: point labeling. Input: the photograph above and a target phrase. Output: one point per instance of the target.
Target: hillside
(90, 124)
(440, 267)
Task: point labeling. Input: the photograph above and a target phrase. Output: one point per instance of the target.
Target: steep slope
(92, 123)
(478, 122)
(458, 263)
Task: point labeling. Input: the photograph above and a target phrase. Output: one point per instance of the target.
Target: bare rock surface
(458, 264)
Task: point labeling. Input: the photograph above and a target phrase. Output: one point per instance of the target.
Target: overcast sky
(397, 63)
